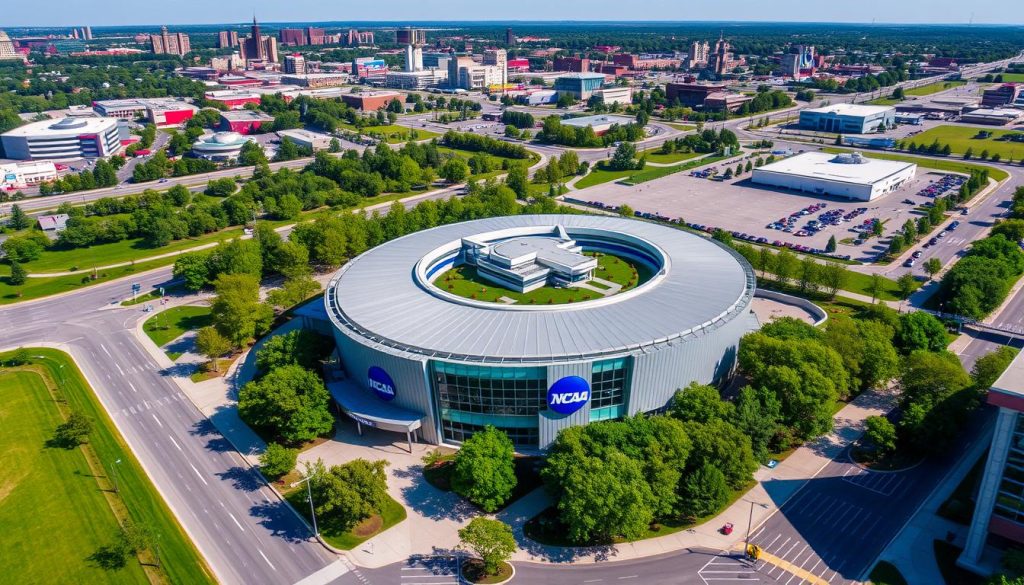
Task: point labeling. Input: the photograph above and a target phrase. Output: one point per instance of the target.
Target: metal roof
(822, 165)
(377, 297)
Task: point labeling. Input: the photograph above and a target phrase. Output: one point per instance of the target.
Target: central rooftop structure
(530, 262)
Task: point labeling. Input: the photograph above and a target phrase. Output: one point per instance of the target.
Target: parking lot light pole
(309, 494)
(750, 521)
(113, 474)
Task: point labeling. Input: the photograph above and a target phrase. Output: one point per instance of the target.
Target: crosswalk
(431, 570)
(884, 484)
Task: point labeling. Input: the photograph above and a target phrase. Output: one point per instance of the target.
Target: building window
(1010, 499)
(608, 382)
(470, 397)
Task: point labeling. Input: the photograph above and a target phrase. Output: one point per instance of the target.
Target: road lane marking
(176, 445)
(239, 525)
(119, 369)
(201, 478)
(157, 420)
(132, 386)
(266, 559)
(104, 348)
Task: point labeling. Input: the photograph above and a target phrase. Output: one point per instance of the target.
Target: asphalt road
(244, 532)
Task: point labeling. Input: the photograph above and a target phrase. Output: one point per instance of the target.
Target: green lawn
(651, 173)
(49, 500)
(674, 157)
(394, 133)
(934, 87)
(54, 502)
(953, 165)
(683, 127)
(392, 514)
(40, 287)
(464, 281)
(1012, 77)
(172, 323)
(84, 259)
(884, 101)
(960, 138)
(599, 175)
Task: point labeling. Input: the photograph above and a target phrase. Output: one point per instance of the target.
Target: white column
(1002, 437)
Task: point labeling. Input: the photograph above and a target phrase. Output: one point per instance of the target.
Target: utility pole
(113, 474)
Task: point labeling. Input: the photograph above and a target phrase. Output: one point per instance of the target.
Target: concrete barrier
(819, 314)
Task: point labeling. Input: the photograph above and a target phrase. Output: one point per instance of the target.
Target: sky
(126, 12)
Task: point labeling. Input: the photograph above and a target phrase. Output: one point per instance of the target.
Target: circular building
(221, 146)
(533, 323)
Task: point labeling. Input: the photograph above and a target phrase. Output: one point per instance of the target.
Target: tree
(830, 247)
(237, 311)
(932, 266)
(624, 158)
(920, 331)
(990, 366)
(74, 431)
(491, 540)
(605, 497)
(876, 286)
(701, 403)
(19, 220)
(757, 415)
(454, 170)
(193, 269)
(277, 460)
(833, 277)
(347, 494)
(518, 180)
(881, 433)
(704, 492)
(293, 292)
(289, 403)
(334, 146)
(906, 284)
(484, 472)
(721, 444)
(252, 154)
(626, 211)
(212, 345)
(18, 274)
(300, 347)
(785, 263)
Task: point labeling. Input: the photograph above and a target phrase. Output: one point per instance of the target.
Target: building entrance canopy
(366, 409)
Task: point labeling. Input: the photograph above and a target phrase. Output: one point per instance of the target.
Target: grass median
(62, 501)
(168, 325)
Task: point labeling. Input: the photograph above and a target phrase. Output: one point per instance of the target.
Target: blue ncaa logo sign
(568, 394)
(380, 382)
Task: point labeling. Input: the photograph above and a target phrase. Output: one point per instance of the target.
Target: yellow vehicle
(753, 551)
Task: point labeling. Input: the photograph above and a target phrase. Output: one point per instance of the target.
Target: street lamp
(309, 495)
(750, 521)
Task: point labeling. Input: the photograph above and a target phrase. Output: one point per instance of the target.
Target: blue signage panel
(568, 395)
(380, 382)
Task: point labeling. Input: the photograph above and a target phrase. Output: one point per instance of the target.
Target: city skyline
(122, 13)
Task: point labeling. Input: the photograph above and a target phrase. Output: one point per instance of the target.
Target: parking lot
(745, 208)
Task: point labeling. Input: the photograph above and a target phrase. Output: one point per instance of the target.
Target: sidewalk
(774, 487)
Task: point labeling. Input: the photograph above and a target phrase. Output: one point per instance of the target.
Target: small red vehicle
(727, 529)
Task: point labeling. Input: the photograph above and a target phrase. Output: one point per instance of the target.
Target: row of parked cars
(939, 187)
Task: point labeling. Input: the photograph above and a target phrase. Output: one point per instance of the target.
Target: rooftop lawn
(168, 325)
(953, 165)
(465, 282)
(61, 501)
(960, 138)
(934, 87)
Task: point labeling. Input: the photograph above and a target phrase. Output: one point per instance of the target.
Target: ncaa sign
(380, 382)
(568, 395)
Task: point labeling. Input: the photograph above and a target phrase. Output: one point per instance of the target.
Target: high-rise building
(170, 43)
(498, 58)
(354, 38)
(410, 36)
(698, 55)
(7, 50)
(510, 37)
(227, 39)
(258, 47)
(798, 62)
(315, 36)
(571, 64)
(721, 59)
(413, 58)
(295, 64)
(88, 33)
(292, 36)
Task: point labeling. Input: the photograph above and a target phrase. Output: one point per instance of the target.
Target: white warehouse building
(849, 175)
(67, 138)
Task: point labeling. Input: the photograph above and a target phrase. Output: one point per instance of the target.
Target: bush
(705, 491)
(881, 433)
(277, 460)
